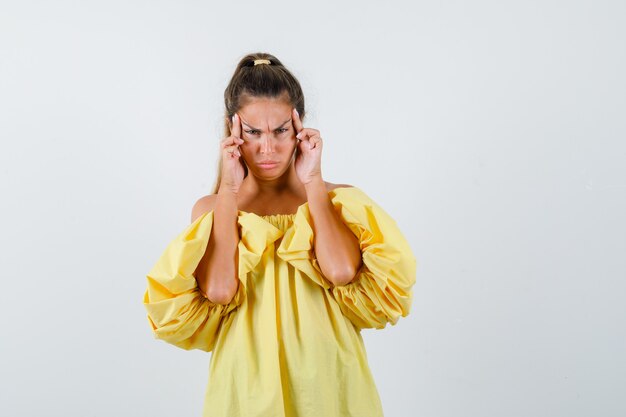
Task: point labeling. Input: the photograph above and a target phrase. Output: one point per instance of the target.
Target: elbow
(221, 294)
(343, 277)
(346, 275)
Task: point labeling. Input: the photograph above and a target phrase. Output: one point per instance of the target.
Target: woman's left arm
(336, 248)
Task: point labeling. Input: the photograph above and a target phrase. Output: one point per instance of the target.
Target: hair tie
(262, 61)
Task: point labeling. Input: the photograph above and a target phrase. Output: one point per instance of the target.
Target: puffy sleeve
(381, 291)
(178, 313)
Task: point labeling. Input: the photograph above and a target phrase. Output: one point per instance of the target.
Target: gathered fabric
(289, 342)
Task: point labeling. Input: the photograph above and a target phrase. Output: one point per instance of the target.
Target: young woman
(280, 270)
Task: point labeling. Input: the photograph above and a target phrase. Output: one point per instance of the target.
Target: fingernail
(233, 118)
(298, 135)
(298, 113)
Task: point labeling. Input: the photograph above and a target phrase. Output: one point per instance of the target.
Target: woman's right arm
(217, 271)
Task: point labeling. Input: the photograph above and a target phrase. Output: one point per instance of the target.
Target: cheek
(293, 144)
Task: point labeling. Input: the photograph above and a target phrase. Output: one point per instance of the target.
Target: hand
(308, 152)
(232, 166)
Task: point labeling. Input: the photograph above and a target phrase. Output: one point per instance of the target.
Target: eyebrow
(282, 124)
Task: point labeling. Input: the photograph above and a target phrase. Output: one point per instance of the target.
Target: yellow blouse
(289, 342)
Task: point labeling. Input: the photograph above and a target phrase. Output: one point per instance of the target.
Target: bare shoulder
(330, 186)
(203, 205)
(207, 203)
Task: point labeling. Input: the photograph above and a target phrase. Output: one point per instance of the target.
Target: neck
(286, 183)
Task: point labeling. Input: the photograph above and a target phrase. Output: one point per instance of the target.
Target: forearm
(336, 248)
(218, 279)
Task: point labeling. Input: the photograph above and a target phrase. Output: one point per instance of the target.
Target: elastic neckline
(277, 215)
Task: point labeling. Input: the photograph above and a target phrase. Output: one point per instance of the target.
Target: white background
(492, 131)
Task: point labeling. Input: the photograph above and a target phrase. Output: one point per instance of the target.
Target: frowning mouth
(268, 164)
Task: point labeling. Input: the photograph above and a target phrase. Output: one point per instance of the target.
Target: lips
(268, 164)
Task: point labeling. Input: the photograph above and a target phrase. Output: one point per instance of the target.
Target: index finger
(297, 123)
(235, 126)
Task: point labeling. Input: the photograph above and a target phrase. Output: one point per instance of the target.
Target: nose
(266, 145)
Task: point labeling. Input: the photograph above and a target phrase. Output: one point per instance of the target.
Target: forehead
(264, 108)
(265, 113)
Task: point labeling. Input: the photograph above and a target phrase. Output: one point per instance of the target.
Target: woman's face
(269, 136)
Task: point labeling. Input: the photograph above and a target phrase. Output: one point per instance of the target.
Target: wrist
(315, 183)
(314, 186)
(225, 190)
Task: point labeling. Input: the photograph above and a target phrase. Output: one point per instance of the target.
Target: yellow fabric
(289, 343)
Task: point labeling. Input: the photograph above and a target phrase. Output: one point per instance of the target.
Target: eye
(256, 132)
